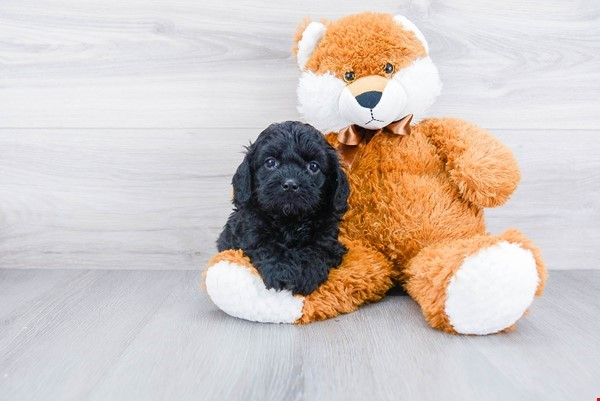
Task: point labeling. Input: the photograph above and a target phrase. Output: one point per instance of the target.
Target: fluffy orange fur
(353, 34)
(428, 274)
(364, 276)
(234, 256)
(418, 199)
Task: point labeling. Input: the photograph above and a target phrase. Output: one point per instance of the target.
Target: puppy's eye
(388, 68)
(271, 163)
(313, 167)
(349, 76)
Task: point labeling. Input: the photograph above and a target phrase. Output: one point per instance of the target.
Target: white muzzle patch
(393, 100)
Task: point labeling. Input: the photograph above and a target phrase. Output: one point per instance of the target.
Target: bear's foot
(236, 288)
(492, 289)
(480, 285)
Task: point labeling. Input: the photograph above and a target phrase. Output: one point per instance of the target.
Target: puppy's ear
(242, 183)
(340, 190)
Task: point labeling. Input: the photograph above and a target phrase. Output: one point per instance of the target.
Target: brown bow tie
(352, 135)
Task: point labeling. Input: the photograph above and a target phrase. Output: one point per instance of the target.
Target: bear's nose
(369, 99)
(290, 185)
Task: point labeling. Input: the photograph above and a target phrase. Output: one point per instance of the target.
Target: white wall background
(122, 121)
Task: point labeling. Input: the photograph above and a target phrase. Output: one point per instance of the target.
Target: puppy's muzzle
(290, 185)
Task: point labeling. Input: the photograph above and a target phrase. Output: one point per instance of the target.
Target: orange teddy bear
(417, 192)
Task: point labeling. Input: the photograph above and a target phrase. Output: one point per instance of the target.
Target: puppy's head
(291, 170)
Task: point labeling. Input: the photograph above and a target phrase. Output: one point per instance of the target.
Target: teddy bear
(417, 192)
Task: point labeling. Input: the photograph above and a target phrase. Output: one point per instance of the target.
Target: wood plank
(557, 203)
(536, 351)
(157, 199)
(60, 343)
(135, 199)
(184, 63)
(369, 354)
(191, 350)
(23, 290)
(390, 353)
(134, 335)
(22, 286)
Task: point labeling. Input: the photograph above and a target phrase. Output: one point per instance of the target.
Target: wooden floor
(151, 335)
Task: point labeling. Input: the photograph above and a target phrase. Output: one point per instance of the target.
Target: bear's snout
(372, 102)
(369, 99)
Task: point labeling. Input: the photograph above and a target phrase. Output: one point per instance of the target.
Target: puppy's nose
(369, 99)
(290, 185)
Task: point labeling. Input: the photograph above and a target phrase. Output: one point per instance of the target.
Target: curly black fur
(291, 236)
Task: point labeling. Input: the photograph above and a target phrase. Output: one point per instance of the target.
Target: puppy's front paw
(306, 286)
(279, 276)
(239, 291)
(310, 278)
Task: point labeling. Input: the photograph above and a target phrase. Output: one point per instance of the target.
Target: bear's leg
(478, 285)
(365, 275)
(235, 286)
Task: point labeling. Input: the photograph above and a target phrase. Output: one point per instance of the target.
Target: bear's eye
(271, 163)
(388, 68)
(313, 167)
(349, 76)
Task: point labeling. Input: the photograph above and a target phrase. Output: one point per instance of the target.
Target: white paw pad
(492, 289)
(239, 293)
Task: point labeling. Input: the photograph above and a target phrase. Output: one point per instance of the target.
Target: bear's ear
(308, 36)
(409, 26)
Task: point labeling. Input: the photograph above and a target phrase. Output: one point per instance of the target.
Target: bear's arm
(484, 170)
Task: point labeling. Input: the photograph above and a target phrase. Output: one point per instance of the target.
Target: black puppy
(289, 195)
